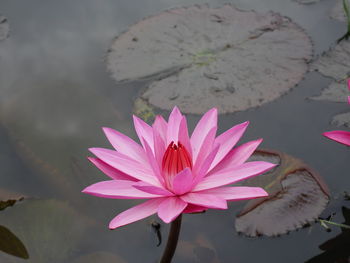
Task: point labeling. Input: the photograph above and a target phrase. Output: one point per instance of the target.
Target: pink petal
(204, 126)
(205, 150)
(194, 209)
(110, 171)
(205, 166)
(348, 84)
(136, 213)
(227, 140)
(230, 176)
(348, 99)
(126, 165)
(125, 145)
(161, 126)
(159, 147)
(184, 137)
(171, 208)
(182, 182)
(237, 156)
(174, 126)
(148, 188)
(205, 200)
(339, 136)
(237, 193)
(153, 162)
(117, 189)
(144, 131)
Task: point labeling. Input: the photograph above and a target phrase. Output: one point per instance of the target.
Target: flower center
(175, 159)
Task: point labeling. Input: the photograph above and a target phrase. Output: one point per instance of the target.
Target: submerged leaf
(199, 57)
(10, 244)
(297, 196)
(338, 11)
(4, 28)
(342, 119)
(50, 229)
(307, 2)
(8, 198)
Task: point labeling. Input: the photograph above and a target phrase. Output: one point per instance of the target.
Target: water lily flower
(175, 172)
(340, 136)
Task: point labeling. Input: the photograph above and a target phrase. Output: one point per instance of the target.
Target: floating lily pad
(10, 244)
(338, 12)
(342, 119)
(8, 198)
(335, 92)
(53, 125)
(51, 230)
(143, 110)
(199, 57)
(297, 196)
(4, 28)
(335, 63)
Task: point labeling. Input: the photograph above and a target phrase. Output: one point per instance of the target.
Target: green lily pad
(4, 28)
(143, 110)
(8, 198)
(297, 196)
(11, 244)
(199, 57)
(53, 125)
(51, 230)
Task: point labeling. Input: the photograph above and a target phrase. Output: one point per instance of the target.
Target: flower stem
(172, 240)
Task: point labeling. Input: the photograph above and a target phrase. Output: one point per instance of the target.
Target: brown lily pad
(4, 28)
(297, 196)
(100, 256)
(338, 12)
(199, 57)
(335, 92)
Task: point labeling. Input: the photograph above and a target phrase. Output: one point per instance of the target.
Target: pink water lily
(176, 172)
(340, 136)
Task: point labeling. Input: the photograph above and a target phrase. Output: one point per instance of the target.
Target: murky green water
(55, 94)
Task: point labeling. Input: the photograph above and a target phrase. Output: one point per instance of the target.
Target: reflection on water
(55, 94)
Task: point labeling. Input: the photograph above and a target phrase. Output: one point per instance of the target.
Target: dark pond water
(55, 94)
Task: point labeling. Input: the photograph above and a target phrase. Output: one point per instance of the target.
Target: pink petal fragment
(126, 165)
(184, 137)
(205, 150)
(125, 145)
(161, 126)
(182, 182)
(339, 136)
(204, 126)
(144, 131)
(194, 209)
(110, 171)
(171, 208)
(227, 140)
(230, 176)
(205, 200)
(174, 126)
(237, 156)
(136, 213)
(117, 189)
(153, 162)
(237, 193)
(152, 189)
(205, 166)
(159, 147)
